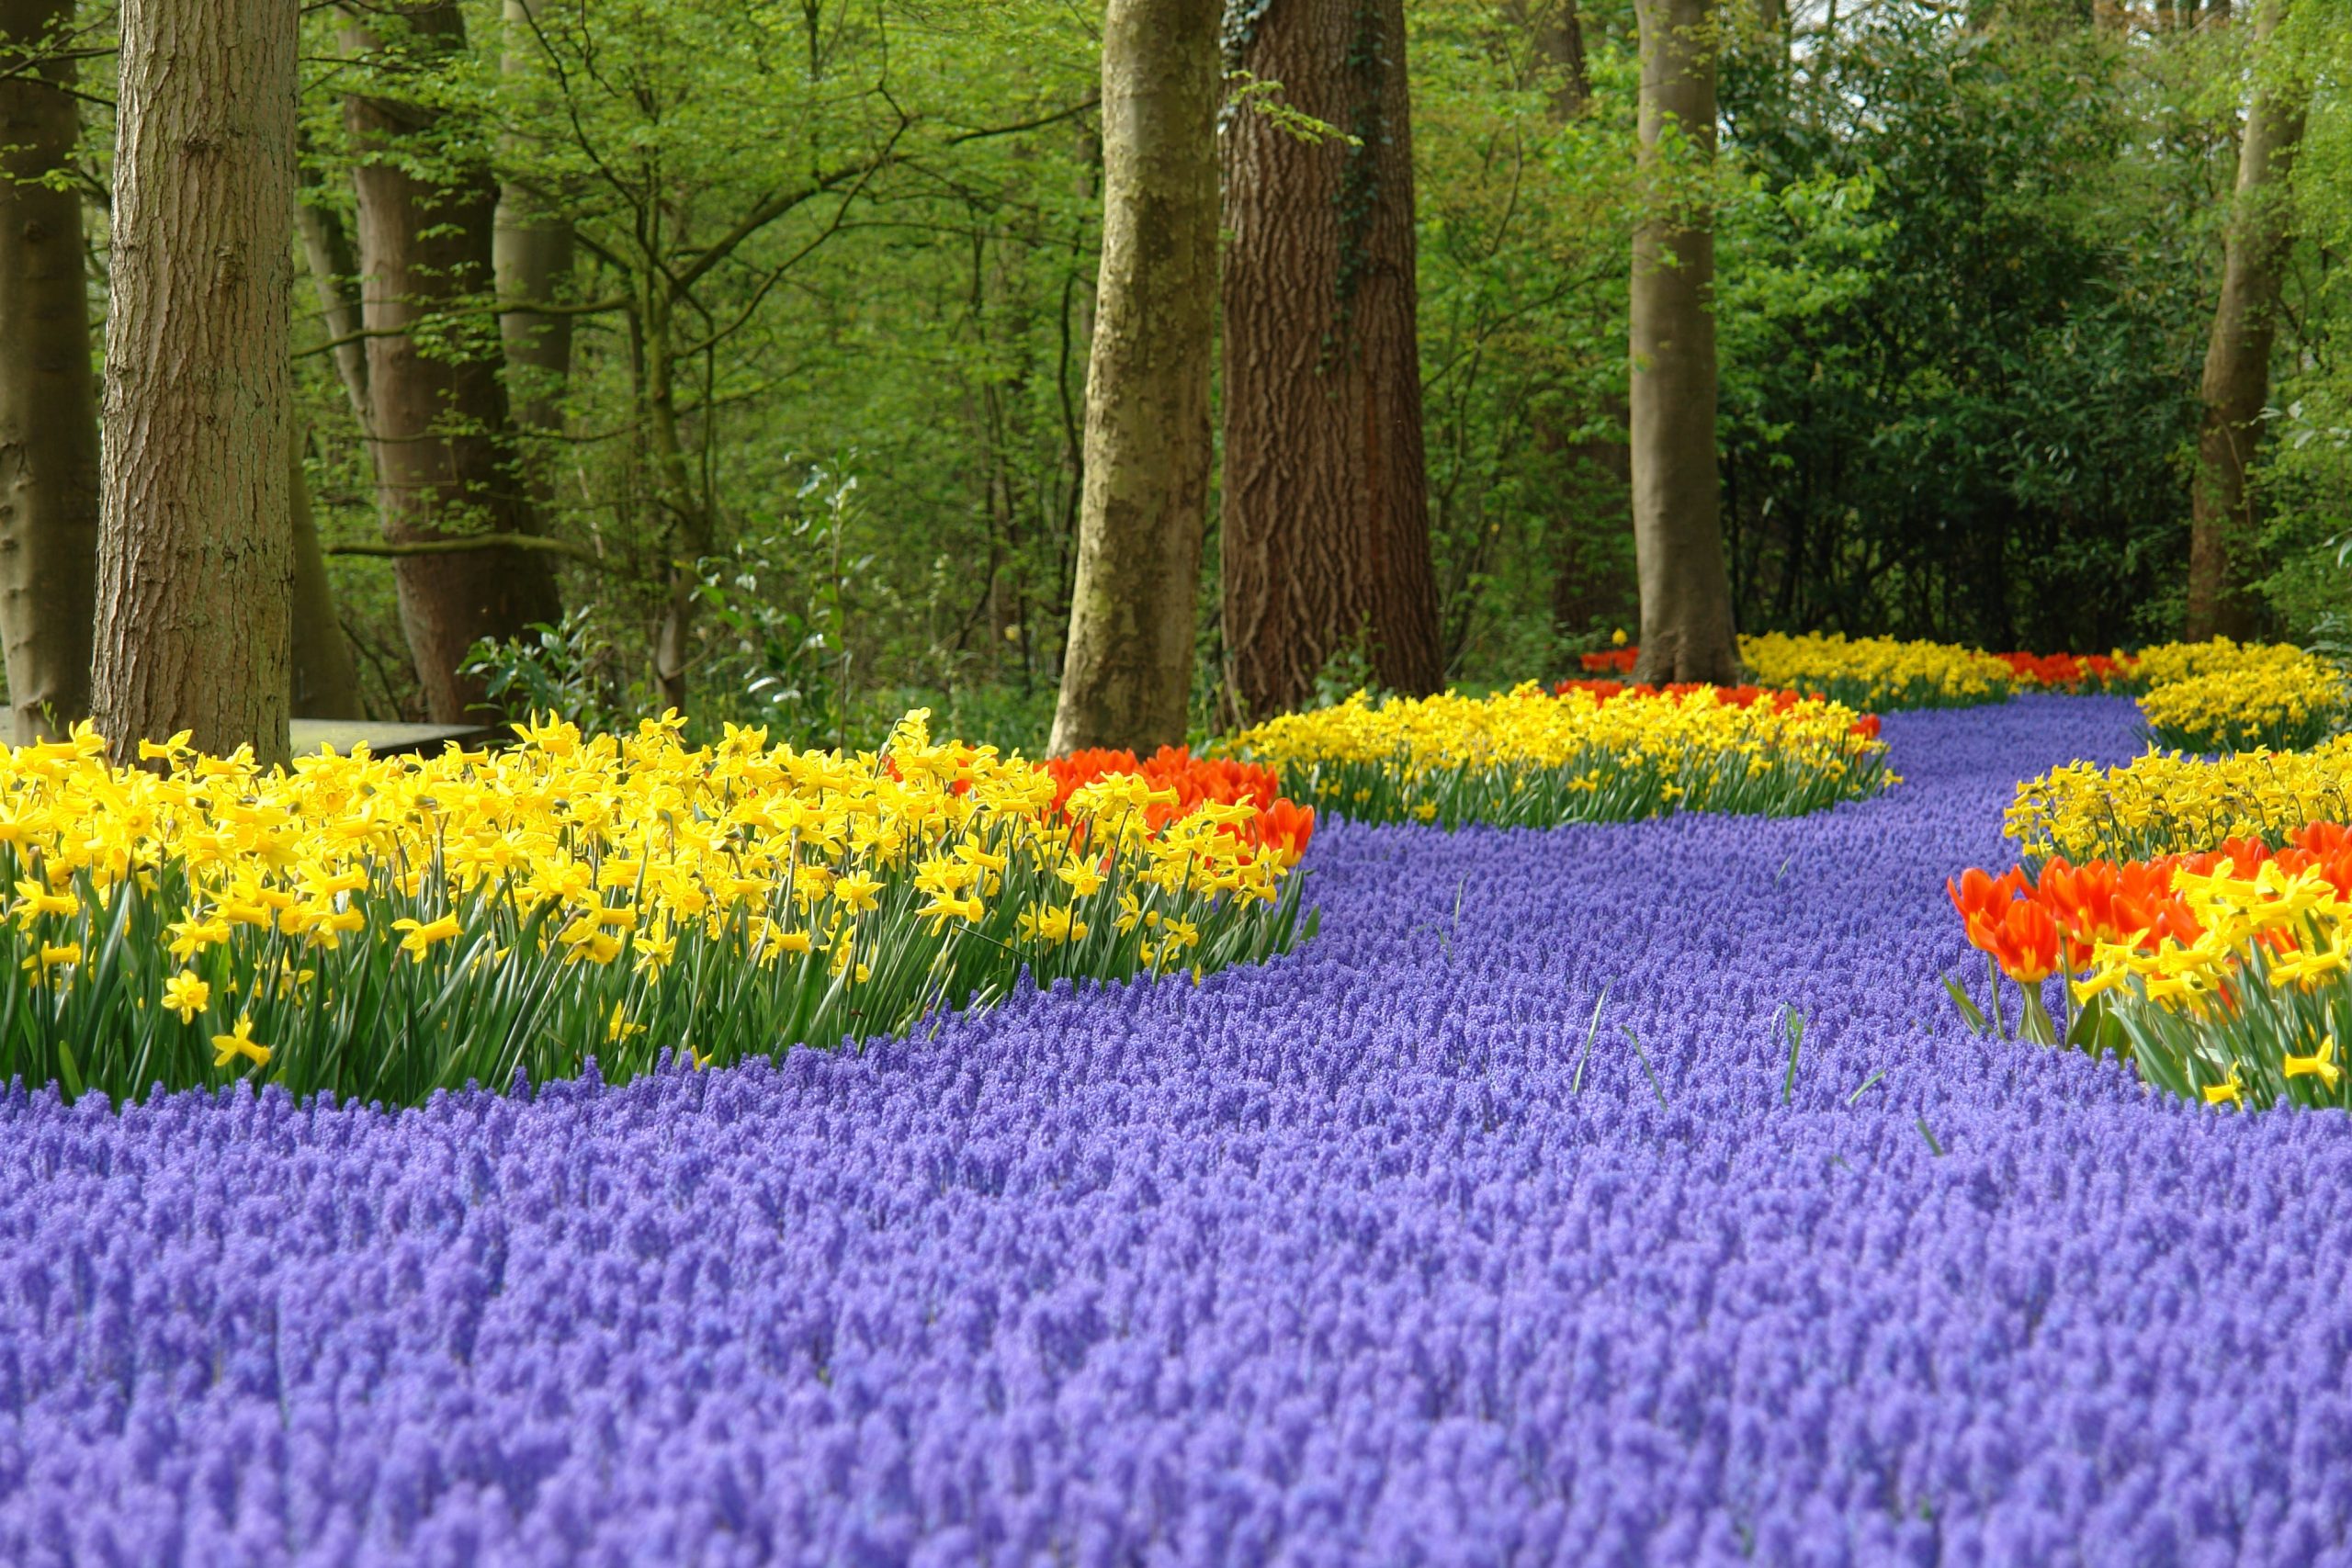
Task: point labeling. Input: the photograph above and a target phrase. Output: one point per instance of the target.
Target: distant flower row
(2217, 696)
(1591, 752)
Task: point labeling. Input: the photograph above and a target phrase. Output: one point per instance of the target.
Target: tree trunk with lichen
(49, 410)
(1127, 671)
(2236, 383)
(1325, 532)
(195, 563)
(1677, 523)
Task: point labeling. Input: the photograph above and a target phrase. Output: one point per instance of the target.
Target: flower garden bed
(1620, 1193)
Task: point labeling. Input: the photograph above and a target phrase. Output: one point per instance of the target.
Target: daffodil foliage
(386, 927)
(1589, 753)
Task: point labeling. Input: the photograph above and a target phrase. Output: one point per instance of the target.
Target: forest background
(802, 402)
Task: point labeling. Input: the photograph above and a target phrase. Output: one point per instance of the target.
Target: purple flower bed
(1324, 1262)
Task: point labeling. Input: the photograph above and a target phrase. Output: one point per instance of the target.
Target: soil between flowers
(1328, 1261)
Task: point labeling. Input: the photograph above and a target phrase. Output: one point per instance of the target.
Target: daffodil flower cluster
(2165, 802)
(1878, 674)
(2224, 696)
(1530, 758)
(385, 926)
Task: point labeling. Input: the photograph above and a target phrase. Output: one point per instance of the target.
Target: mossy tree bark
(49, 410)
(1325, 527)
(1678, 524)
(2236, 382)
(1126, 671)
(195, 561)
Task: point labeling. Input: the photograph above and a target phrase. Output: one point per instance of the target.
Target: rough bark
(48, 410)
(325, 679)
(1127, 669)
(195, 563)
(1325, 521)
(2236, 382)
(446, 460)
(1678, 524)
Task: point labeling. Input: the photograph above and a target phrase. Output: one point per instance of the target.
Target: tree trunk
(694, 528)
(1602, 477)
(2237, 355)
(446, 463)
(1557, 33)
(531, 250)
(1326, 522)
(1127, 669)
(326, 680)
(334, 283)
(195, 564)
(1678, 524)
(49, 410)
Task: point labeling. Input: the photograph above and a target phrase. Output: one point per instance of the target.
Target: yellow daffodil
(2320, 1063)
(239, 1043)
(186, 995)
(420, 935)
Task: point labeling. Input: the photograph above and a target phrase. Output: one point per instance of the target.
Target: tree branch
(462, 543)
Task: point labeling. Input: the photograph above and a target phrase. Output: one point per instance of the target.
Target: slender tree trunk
(1127, 669)
(531, 249)
(1326, 522)
(1602, 476)
(195, 563)
(694, 530)
(2237, 354)
(335, 284)
(326, 680)
(445, 462)
(1557, 32)
(1677, 523)
(49, 410)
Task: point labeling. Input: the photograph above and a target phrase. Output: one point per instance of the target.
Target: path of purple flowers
(1326, 1262)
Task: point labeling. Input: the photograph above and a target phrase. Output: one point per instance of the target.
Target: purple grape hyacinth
(1364, 1256)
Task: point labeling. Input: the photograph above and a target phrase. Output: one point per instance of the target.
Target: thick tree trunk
(446, 463)
(1677, 523)
(49, 410)
(194, 562)
(1127, 669)
(325, 680)
(2237, 355)
(531, 250)
(1325, 528)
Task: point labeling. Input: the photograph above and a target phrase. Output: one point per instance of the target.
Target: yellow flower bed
(1528, 757)
(2168, 662)
(384, 927)
(2224, 696)
(1876, 674)
(2167, 803)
